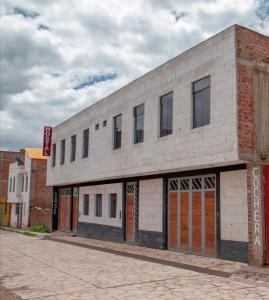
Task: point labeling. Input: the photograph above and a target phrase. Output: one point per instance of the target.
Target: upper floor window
(85, 144)
(201, 102)
(139, 124)
(86, 205)
(14, 183)
(166, 114)
(10, 184)
(73, 147)
(62, 154)
(117, 132)
(53, 156)
(113, 205)
(98, 205)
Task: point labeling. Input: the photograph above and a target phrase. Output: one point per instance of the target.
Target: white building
(167, 160)
(28, 194)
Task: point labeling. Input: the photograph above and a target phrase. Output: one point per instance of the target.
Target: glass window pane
(166, 115)
(117, 131)
(201, 84)
(139, 124)
(62, 158)
(73, 147)
(85, 143)
(86, 205)
(201, 106)
(113, 206)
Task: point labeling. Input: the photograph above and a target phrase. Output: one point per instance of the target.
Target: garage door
(192, 215)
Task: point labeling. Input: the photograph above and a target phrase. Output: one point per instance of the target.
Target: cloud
(58, 57)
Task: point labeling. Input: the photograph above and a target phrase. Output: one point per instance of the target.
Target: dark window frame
(62, 153)
(162, 131)
(113, 209)
(85, 143)
(73, 146)
(204, 106)
(117, 134)
(10, 184)
(53, 156)
(86, 204)
(139, 134)
(98, 199)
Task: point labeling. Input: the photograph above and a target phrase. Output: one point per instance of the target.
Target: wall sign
(47, 140)
(257, 213)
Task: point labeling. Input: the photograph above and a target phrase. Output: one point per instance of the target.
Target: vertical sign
(55, 199)
(256, 176)
(266, 209)
(47, 140)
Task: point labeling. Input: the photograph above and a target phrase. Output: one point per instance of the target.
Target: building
(28, 194)
(175, 159)
(6, 157)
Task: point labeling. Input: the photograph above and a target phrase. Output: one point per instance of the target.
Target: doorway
(131, 228)
(192, 215)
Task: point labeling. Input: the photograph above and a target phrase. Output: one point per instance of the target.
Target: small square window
(104, 123)
(97, 126)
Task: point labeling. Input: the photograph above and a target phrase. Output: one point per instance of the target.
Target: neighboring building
(175, 159)
(28, 194)
(6, 157)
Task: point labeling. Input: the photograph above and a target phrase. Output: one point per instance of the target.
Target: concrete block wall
(234, 206)
(151, 205)
(105, 190)
(186, 148)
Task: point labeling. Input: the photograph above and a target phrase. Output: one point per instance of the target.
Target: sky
(58, 57)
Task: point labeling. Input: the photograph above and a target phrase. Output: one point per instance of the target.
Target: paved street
(42, 269)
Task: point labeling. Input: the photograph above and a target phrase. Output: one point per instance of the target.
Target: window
(117, 132)
(14, 183)
(166, 114)
(113, 205)
(10, 184)
(17, 209)
(73, 148)
(98, 205)
(62, 156)
(104, 123)
(201, 102)
(85, 205)
(85, 149)
(26, 183)
(22, 183)
(139, 124)
(53, 157)
(97, 126)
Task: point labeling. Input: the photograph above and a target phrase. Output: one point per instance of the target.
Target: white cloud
(80, 39)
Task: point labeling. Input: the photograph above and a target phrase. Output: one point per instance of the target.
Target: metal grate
(197, 183)
(210, 183)
(185, 184)
(130, 188)
(173, 185)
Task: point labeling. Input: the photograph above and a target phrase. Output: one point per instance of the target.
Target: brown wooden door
(192, 215)
(131, 213)
(173, 222)
(64, 210)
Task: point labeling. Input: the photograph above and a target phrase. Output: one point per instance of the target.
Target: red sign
(47, 140)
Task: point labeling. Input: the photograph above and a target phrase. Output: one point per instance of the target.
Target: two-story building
(28, 195)
(177, 159)
(6, 158)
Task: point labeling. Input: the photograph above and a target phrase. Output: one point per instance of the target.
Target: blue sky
(58, 57)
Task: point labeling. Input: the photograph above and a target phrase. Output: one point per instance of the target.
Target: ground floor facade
(217, 212)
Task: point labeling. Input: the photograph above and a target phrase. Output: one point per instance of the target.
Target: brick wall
(41, 195)
(6, 157)
(251, 53)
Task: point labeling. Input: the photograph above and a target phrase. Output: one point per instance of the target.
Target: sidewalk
(212, 266)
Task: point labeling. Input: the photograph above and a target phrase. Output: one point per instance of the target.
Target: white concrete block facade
(151, 205)
(186, 148)
(234, 206)
(105, 191)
